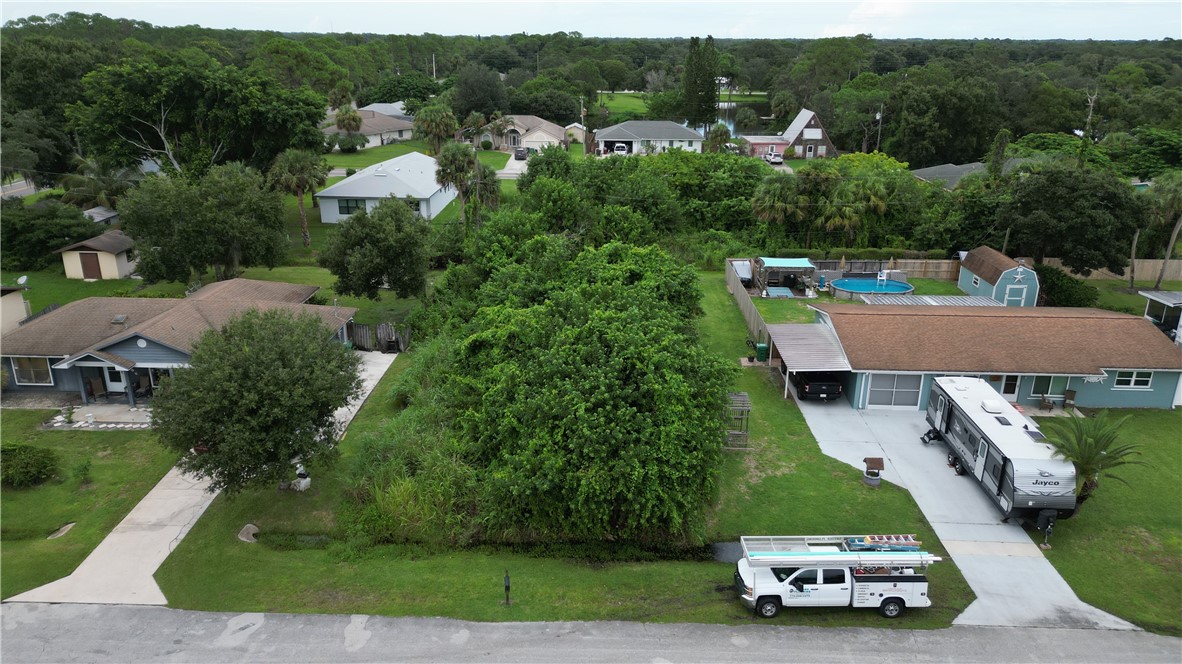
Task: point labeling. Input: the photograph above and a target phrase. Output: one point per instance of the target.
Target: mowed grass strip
(124, 466)
(1123, 551)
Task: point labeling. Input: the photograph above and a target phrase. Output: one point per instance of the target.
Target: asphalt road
(94, 633)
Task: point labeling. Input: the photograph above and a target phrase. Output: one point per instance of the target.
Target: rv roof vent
(991, 406)
(119, 320)
(1004, 421)
(961, 388)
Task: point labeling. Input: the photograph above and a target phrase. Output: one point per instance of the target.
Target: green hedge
(25, 465)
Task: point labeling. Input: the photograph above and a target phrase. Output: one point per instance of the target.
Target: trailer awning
(808, 347)
(789, 263)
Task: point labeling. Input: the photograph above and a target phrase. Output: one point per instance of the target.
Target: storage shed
(106, 256)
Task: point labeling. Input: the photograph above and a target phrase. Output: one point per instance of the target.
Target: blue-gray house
(118, 348)
(988, 272)
(1035, 356)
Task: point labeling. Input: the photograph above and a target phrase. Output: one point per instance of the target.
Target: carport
(806, 347)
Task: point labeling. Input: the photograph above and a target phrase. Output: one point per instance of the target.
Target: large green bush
(30, 234)
(1058, 289)
(26, 465)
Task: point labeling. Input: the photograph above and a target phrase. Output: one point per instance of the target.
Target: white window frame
(1133, 380)
(1050, 385)
(976, 281)
(16, 374)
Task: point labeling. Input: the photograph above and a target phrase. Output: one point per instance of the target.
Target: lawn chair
(1068, 399)
(1045, 403)
(95, 387)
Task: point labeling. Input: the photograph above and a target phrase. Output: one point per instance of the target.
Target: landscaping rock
(61, 531)
(249, 533)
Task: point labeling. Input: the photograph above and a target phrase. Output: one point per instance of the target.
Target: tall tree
(226, 220)
(348, 121)
(381, 248)
(257, 394)
(479, 89)
(700, 83)
(31, 146)
(456, 164)
(436, 123)
(298, 172)
(1166, 193)
(95, 183)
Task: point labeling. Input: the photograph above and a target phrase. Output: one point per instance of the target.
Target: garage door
(894, 390)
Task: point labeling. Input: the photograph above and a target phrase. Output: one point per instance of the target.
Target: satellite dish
(20, 281)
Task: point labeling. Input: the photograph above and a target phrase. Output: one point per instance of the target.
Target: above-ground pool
(849, 289)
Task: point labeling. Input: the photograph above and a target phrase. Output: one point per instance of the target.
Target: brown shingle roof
(988, 263)
(1031, 340)
(254, 289)
(113, 242)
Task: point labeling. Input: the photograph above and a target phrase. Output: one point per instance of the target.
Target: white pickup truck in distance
(862, 571)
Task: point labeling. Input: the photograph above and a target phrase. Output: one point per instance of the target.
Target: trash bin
(761, 352)
(821, 282)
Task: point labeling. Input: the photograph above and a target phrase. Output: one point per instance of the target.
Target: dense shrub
(351, 142)
(30, 234)
(26, 465)
(1056, 288)
(485, 145)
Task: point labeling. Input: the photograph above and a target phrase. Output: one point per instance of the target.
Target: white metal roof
(1018, 437)
(742, 268)
(411, 175)
(808, 347)
(935, 300)
(798, 124)
(1168, 298)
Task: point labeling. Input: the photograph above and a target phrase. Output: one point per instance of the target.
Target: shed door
(1015, 296)
(90, 265)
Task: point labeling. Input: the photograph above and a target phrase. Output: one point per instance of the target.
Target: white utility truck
(885, 572)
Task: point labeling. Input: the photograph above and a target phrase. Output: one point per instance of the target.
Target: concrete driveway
(513, 169)
(1015, 584)
(120, 569)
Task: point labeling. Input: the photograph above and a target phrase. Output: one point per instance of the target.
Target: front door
(808, 153)
(1009, 387)
(116, 380)
(90, 265)
(1015, 296)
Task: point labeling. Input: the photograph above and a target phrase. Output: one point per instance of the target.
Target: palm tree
(1167, 195)
(297, 172)
(472, 125)
(499, 125)
(1092, 446)
(455, 164)
(348, 121)
(436, 123)
(95, 183)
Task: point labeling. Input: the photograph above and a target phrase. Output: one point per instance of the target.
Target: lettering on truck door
(802, 589)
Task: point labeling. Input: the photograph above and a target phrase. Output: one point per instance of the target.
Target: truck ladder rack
(803, 551)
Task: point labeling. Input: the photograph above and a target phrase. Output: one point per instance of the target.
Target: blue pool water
(872, 286)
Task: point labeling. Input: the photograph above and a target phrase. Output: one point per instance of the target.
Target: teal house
(987, 272)
(1040, 358)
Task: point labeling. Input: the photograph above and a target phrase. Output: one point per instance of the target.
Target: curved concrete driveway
(120, 569)
(513, 168)
(1015, 584)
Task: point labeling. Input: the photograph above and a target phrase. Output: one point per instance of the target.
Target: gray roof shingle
(652, 130)
(113, 242)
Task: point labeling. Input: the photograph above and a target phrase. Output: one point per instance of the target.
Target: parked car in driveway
(620, 148)
(773, 158)
(816, 385)
(520, 154)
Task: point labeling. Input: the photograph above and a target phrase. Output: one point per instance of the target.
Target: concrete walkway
(1015, 584)
(120, 569)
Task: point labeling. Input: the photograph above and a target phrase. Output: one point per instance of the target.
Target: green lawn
(935, 287)
(1123, 551)
(1116, 294)
(125, 465)
(633, 102)
(52, 287)
(370, 156)
(762, 490)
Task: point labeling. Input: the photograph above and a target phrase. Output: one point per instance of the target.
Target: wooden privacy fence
(1146, 270)
(383, 337)
(755, 327)
(922, 268)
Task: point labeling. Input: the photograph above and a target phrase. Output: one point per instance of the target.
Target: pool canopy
(787, 263)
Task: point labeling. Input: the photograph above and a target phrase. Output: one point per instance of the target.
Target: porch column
(82, 387)
(128, 376)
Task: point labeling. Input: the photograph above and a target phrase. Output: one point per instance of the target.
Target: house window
(1133, 380)
(1051, 386)
(399, 133)
(976, 281)
(158, 375)
(414, 204)
(32, 371)
(347, 206)
(670, 143)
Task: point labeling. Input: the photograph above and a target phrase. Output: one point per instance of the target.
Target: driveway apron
(120, 569)
(1016, 585)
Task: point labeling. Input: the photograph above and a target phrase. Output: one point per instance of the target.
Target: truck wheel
(891, 607)
(768, 607)
(957, 467)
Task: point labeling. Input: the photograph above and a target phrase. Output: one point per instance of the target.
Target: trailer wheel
(767, 607)
(892, 607)
(957, 467)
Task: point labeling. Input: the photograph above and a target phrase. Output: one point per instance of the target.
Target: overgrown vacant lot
(783, 485)
(1123, 551)
(124, 466)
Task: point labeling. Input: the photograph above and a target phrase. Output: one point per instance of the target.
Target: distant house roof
(112, 242)
(411, 175)
(525, 124)
(372, 123)
(100, 214)
(760, 138)
(798, 124)
(88, 327)
(951, 174)
(988, 263)
(254, 289)
(651, 130)
(1026, 340)
(1168, 298)
(394, 110)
